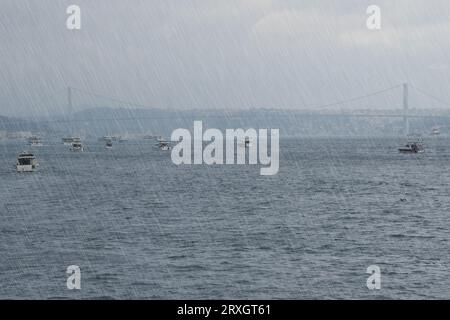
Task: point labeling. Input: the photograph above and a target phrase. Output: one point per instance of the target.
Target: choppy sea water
(140, 227)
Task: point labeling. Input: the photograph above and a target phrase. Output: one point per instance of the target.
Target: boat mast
(405, 108)
(69, 108)
(69, 101)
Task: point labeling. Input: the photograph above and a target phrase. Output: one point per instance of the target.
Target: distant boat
(35, 141)
(435, 131)
(111, 138)
(77, 146)
(69, 140)
(109, 144)
(412, 147)
(163, 145)
(26, 162)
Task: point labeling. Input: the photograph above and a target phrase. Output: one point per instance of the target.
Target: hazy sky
(220, 53)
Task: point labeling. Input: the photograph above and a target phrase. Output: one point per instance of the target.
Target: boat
(435, 131)
(111, 138)
(26, 162)
(163, 145)
(109, 144)
(69, 140)
(35, 141)
(412, 147)
(77, 146)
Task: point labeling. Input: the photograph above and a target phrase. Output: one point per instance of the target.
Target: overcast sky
(220, 53)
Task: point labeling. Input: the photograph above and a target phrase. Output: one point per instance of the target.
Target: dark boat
(412, 147)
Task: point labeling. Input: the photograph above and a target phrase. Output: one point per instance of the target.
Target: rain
(91, 93)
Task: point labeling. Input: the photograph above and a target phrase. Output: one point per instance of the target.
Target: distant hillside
(103, 121)
(15, 124)
(97, 122)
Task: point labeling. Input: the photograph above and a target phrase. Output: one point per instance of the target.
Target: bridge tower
(69, 102)
(405, 108)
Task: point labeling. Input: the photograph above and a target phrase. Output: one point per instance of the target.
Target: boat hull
(409, 151)
(25, 168)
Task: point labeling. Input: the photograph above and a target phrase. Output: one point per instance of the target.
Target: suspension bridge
(335, 108)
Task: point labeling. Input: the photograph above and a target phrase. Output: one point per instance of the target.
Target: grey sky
(221, 53)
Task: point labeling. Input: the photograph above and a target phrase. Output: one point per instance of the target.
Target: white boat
(26, 162)
(77, 146)
(35, 141)
(435, 131)
(109, 144)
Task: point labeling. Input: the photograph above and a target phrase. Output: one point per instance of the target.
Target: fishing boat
(35, 141)
(26, 162)
(412, 147)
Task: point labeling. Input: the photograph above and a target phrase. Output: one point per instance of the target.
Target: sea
(140, 227)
